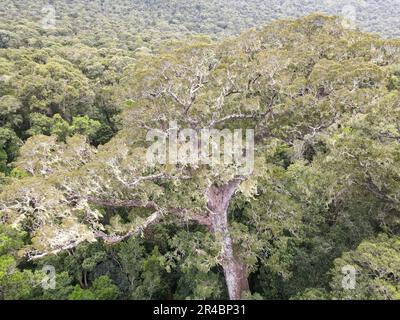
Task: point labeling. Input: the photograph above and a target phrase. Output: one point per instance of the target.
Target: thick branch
(180, 212)
(151, 220)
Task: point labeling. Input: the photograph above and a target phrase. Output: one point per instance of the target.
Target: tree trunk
(235, 271)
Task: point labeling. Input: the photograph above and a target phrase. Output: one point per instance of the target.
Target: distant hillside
(130, 24)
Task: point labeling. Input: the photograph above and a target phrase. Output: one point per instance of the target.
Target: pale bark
(235, 271)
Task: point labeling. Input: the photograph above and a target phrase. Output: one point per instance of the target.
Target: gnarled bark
(234, 270)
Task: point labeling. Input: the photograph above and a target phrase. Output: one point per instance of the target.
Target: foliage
(76, 192)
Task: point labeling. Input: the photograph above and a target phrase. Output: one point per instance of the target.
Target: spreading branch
(112, 239)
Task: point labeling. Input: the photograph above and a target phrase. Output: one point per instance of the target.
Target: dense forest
(83, 82)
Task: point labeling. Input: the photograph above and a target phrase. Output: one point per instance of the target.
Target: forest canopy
(79, 95)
